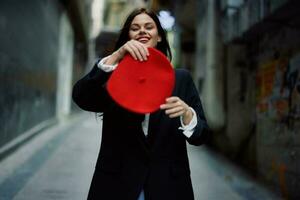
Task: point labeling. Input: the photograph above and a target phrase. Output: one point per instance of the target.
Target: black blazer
(129, 161)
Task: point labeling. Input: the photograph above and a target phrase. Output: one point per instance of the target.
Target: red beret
(142, 87)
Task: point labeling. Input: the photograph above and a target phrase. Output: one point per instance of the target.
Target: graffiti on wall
(278, 121)
(278, 91)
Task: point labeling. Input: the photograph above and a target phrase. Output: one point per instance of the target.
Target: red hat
(142, 87)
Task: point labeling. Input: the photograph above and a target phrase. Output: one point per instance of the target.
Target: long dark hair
(163, 45)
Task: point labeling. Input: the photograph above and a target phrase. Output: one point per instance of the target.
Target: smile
(143, 39)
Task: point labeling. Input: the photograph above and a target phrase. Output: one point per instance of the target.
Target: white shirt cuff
(188, 129)
(105, 67)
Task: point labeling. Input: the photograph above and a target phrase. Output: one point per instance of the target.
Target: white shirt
(187, 129)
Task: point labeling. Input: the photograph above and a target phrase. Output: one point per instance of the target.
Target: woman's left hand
(175, 107)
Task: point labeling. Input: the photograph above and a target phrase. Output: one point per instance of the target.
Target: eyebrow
(147, 23)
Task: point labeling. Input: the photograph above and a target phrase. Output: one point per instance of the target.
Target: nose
(142, 30)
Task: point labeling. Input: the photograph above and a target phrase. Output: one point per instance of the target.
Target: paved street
(59, 163)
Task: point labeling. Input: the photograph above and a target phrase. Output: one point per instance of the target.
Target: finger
(136, 51)
(174, 110)
(177, 114)
(130, 51)
(172, 99)
(141, 49)
(169, 105)
(170, 102)
(145, 49)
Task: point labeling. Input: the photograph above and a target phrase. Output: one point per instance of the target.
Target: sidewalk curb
(16, 143)
(18, 167)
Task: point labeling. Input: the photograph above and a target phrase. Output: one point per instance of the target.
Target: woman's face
(144, 30)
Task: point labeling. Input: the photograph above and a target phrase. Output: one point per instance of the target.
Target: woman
(142, 156)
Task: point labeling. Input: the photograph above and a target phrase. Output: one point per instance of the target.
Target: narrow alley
(240, 57)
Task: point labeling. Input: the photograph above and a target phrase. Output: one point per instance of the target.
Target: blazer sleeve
(201, 132)
(89, 93)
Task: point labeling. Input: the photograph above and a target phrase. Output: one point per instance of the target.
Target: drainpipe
(213, 86)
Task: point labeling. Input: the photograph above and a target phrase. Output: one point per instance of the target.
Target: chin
(150, 45)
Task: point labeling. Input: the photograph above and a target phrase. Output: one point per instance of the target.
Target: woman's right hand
(135, 48)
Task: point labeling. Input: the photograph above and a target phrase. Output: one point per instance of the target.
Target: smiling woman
(141, 25)
(142, 156)
(144, 30)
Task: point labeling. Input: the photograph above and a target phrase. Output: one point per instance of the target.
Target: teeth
(143, 39)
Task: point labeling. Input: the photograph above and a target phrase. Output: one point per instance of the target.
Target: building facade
(44, 48)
